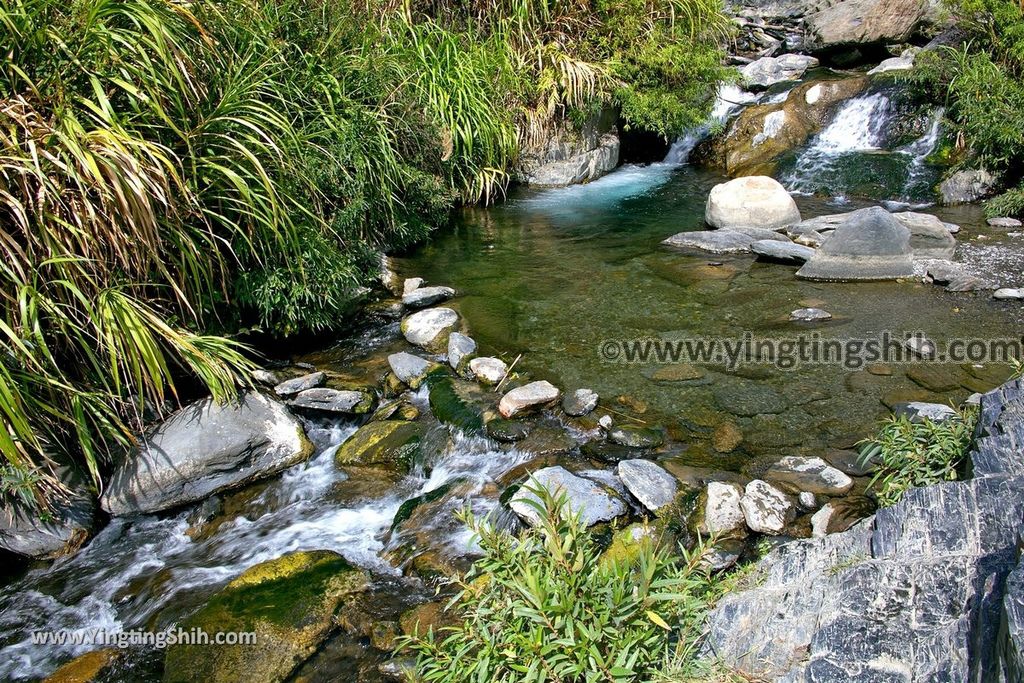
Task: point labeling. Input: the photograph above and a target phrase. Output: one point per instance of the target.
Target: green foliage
(912, 454)
(546, 607)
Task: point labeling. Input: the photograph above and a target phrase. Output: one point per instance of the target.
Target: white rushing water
(147, 571)
(730, 98)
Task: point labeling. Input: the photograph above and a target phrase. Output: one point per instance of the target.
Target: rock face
(752, 202)
(69, 525)
(869, 245)
(863, 22)
(929, 237)
(580, 168)
(964, 187)
(927, 590)
(429, 329)
(586, 497)
(205, 448)
(525, 398)
(648, 482)
(290, 603)
(767, 71)
(569, 155)
(783, 252)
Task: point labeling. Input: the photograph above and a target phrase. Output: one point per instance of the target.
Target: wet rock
(333, 401)
(507, 431)
(461, 350)
(289, 603)
(545, 440)
(807, 501)
(879, 370)
(528, 397)
(1004, 222)
(809, 315)
(934, 377)
(606, 451)
(411, 285)
(768, 71)
(391, 443)
(820, 520)
(86, 668)
(430, 616)
(810, 474)
(970, 283)
(410, 369)
(722, 512)
(584, 497)
(206, 448)
(943, 272)
(850, 462)
(265, 377)
(869, 245)
(723, 554)
(863, 22)
(750, 202)
(291, 387)
(766, 509)
(421, 297)
(783, 252)
(488, 370)
(456, 403)
(749, 399)
(713, 241)
(919, 411)
(580, 402)
(726, 437)
(430, 328)
(636, 437)
(70, 522)
(582, 167)
(929, 237)
(1008, 294)
(964, 187)
(648, 483)
(628, 543)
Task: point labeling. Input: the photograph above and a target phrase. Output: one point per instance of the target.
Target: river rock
(904, 62)
(461, 350)
(964, 187)
(422, 297)
(528, 397)
(580, 402)
(726, 437)
(863, 23)
(290, 603)
(488, 370)
(810, 474)
(749, 399)
(265, 377)
(1008, 294)
(869, 245)
(713, 241)
(430, 328)
(919, 411)
(810, 238)
(970, 283)
(937, 377)
(203, 449)
(750, 202)
(768, 71)
(587, 498)
(648, 483)
(920, 346)
(929, 237)
(411, 284)
(333, 401)
(943, 272)
(851, 462)
(810, 315)
(636, 437)
(389, 443)
(410, 369)
(722, 511)
(24, 531)
(291, 387)
(766, 509)
(1004, 222)
(784, 252)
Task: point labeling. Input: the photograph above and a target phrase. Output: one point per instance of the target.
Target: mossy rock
(85, 668)
(430, 616)
(628, 543)
(386, 443)
(289, 603)
(451, 408)
(406, 509)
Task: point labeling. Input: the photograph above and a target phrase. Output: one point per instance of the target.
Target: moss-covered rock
(85, 668)
(387, 443)
(289, 603)
(452, 408)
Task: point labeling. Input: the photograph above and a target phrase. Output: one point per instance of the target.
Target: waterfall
(730, 98)
(919, 150)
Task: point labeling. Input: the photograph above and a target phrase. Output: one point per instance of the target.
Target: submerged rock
(586, 497)
(767, 71)
(206, 448)
(636, 437)
(869, 245)
(528, 397)
(808, 315)
(430, 328)
(392, 443)
(784, 252)
(580, 402)
(751, 202)
(648, 483)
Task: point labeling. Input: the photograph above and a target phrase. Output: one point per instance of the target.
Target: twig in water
(507, 373)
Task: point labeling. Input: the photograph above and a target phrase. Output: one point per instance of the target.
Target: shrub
(546, 607)
(912, 454)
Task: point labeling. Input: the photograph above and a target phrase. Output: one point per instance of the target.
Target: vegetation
(912, 454)
(547, 607)
(172, 172)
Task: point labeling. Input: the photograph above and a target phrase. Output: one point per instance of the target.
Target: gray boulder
(869, 245)
(722, 511)
(919, 411)
(767, 71)
(750, 202)
(648, 482)
(333, 401)
(429, 329)
(929, 237)
(580, 168)
(422, 297)
(964, 187)
(1004, 222)
(863, 22)
(410, 369)
(293, 386)
(586, 497)
(66, 528)
(783, 252)
(726, 241)
(203, 449)
(810, 474)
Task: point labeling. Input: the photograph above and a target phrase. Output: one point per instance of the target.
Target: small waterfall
(857, 127)
(919, 150)
(729, 99)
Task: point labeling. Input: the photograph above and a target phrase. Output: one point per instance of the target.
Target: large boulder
(767, 71)
(869, 245)
(751, 202)
(581, 168)
(288, 603)
(388, 443)
(429, 329)
(964, 187)
(25, 531)
(583, 496)
(929, 237)
(205, 448)
(864, 23)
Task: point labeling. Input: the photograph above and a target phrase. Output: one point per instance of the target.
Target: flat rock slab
(935, 377)
(713, 241)
(810, 474)
(1004, 222)
(430, 328)
(586, 497)
(810, 315)
(410, 369)
(333, 401)
(528, 397)
(293, 386)
(919, 411)
(422, 297)
(868, 245)
(1008, 294)
(783, 252)
(768, 71)
(648, 482)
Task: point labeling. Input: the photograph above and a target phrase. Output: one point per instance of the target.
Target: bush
(913, 454)
(547, 607)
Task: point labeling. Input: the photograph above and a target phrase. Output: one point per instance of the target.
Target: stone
(869, 245)
(632, 436)
(810, 474)
(943, 272)
(528, 397)
(584, 497)
(768, 71)
(70, 522)
(929, 237)
(863, 22)
(582, 168)
(265, 377)
(333, 401)
(723, 554)
(713, 241)
(934, 377)
(969, 283)
(507, 431)
(648, 483)
(411, 369)
(1008, 294)
(389, 443)
(291, 387)
(919, 411)
(783, 252)
(904, 62)
(1004, 222)
(726, 438)
(807, 501)
(488, 370)
(461, 350)
(964, 187)
(203, 449)
(580, 402)
(810, 315)
(766, 509)
(850, 462)
(411, 284)
(749, 399)
(290, 603)
(722, 512)
(750, 202)
(820, 520)
(920, 346)
(429, 329)
(879, 370)
(86, 668)
(811, 238)
(421, 297)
